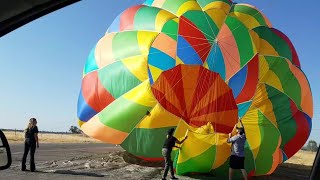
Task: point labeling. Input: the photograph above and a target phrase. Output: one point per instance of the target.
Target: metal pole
(315, 172)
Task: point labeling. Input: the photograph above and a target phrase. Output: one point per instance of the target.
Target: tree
(75, 130)
(312, 146)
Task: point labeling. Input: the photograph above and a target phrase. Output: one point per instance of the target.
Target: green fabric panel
(203, 3)
(142, 142)
(127, 39)
(123, 114)
(117, 79)
(281, 108)
(145, 18)
(200, 164)
(170, 28)
(289, 82)
(204, 23)
(173, 6)
(223, 170)
(275, 41)
(249, 165)
(249, 11)
(269, 141)
(243, 39)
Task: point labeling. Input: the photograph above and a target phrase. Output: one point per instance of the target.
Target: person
(166, 152)
(237, 152)
(30, 144)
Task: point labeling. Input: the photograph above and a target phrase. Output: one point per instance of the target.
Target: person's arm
(232, 139)
(36, 136)
(180, 142)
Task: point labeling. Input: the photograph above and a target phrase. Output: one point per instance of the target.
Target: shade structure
(194, 65)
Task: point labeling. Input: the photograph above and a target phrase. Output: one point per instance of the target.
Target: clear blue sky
(41, 62)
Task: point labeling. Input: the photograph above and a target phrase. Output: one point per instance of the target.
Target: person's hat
(241, 129)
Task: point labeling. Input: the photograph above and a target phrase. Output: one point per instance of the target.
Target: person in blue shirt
(237, 152)
(166, 152)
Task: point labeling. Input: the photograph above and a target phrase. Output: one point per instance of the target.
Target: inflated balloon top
(199, 66)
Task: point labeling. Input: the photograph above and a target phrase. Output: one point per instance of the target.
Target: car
(5, 154)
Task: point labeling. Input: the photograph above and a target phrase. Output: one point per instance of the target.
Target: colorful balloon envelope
(199, 66)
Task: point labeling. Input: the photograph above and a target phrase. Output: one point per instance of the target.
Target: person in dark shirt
(166, 152)
(30, 143)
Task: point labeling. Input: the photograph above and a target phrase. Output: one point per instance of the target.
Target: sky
(42, 62)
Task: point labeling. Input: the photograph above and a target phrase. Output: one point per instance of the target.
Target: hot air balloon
(199, 66)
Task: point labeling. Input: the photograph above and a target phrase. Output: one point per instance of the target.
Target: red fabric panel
(195, 37)
(302, 132)
(251, 83)
(94, 93)
(127, 18)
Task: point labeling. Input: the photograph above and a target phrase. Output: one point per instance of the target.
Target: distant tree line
(311, 146)
(74, 131)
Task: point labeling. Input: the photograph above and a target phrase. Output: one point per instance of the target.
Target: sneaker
(174, 177)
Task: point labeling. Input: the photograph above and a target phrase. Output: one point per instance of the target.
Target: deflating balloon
(199, 66)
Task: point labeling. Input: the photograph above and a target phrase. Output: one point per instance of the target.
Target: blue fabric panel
(186, 53)
(84, 111)
(243, 108)
(216, 62)
(160, 60)
(237, 81)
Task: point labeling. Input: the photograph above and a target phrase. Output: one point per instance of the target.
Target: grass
(18, 137)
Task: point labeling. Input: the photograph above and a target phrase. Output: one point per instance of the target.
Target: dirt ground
(105, 161)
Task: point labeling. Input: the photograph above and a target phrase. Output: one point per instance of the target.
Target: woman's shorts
(236, 162)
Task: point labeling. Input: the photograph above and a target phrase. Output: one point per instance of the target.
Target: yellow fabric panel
(103, 52)
(137, 65)
(255, 40)
(262, 102)
(155, 72)
(145, 39)
(218, 16)
(205, 65)
(265, 18)
(182, 129)
(178, 61)
(189, 150)
(250, 122)
(222, 150)
(188, 6)
(268, 76)
(218, 5)
(159, 118)
(142, 95)
(249, 21)
(266, 49)
(95, 129)
(162, 17)
(80, 123)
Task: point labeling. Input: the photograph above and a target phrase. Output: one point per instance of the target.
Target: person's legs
(230, 173)
(167, 163)
(32, 151)
(244, 173)
(25, 154)
(171, 169)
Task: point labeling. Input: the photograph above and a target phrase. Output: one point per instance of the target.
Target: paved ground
(53, 153)
(103, 161)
